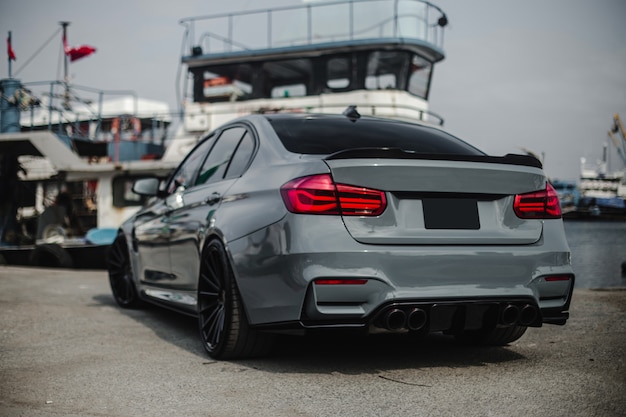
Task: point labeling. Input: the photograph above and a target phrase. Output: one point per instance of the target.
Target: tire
(222, 322)
(496, 336)
(121, 275)
(51, 255)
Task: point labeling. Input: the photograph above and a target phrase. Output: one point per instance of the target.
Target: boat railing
(311, 23)
(372, 108)
(56, 105)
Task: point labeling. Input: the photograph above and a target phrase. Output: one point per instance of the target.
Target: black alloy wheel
(121, 274)
(223, 326)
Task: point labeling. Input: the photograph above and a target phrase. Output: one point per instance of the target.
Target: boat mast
(66, 77)
(10, 51)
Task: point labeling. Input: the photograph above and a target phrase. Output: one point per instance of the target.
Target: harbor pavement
(66, 349)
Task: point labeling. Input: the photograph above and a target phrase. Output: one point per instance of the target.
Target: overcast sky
(545, 75)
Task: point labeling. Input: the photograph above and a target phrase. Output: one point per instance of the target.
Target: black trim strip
(396, 153)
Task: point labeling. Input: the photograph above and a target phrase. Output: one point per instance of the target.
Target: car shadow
(351, 354)
(328, 352)
(173, 327)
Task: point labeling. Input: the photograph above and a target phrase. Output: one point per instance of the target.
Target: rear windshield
(326, 135)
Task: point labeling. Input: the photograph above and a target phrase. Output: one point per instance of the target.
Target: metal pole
(230, 32)
(99, 124)
(269, 28)
(66, 77)
(309, 23)
(192, 35)
(351, 19)
(9, 57)
(395, 18)
(426, 23)
(50, 106)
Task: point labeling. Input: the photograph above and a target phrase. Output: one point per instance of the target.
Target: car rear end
(431, 236)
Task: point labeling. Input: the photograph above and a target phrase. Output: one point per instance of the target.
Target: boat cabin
(318, 57)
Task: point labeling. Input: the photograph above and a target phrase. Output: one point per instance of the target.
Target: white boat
(377, 56)
(602, 190)
(92, 157)
(603, 194)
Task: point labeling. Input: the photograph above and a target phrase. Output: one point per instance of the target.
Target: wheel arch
(215, 234)
(127, 230)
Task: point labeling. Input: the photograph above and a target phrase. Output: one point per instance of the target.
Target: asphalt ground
(66, 349)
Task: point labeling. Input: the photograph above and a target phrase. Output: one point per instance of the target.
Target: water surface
(598, 250)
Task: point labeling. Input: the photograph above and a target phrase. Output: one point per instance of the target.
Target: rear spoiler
(396, 153)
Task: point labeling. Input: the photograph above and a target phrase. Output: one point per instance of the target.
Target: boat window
(293, 90)
(242, 157)
(338, 73)
(123, 195)
(215, 165)
(231, 84)
(380, 82)
(386, 70)
(288, 78)
(186, 171)
(420, 76)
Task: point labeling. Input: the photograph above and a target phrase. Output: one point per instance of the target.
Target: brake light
(318, 194)
(542, 204)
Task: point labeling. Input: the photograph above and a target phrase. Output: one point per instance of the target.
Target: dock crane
(619, 145)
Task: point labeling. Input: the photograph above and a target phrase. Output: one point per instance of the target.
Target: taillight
(318, 194)
(542, 204)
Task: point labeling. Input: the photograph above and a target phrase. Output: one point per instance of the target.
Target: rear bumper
(276, 269)
(448, 315)
(442, 315)
(423, 317)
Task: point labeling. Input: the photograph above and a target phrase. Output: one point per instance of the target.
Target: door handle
(213, 199)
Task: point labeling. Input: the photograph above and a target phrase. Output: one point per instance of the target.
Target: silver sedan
(287, 223)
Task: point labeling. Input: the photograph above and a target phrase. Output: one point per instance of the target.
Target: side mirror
(147, 186)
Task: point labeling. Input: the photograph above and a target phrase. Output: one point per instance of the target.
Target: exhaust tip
(416, 319)
(395, 319)
(528, 315)
(510, 315)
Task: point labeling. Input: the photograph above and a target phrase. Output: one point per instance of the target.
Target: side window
(242, 156)
(216, 163)
(185, 174)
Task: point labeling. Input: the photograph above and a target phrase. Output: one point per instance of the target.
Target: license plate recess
(451, 213)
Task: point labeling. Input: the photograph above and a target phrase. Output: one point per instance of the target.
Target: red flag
(77, 52)
(10, 49)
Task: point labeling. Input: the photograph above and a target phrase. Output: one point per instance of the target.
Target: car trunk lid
(437, 199)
